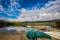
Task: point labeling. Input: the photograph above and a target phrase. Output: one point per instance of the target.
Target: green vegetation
(32, 23)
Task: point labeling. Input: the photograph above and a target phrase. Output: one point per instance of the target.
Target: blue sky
(29, 10)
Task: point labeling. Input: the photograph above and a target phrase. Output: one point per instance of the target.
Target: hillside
(31, 23)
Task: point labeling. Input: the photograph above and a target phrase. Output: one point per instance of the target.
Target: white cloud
(50, 11)
(1, 8)
(13, 7)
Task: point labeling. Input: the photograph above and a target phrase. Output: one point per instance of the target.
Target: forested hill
(5, 23)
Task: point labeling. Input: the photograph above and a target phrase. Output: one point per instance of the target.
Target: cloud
(50, 11)
(54, 8)
(12, 9)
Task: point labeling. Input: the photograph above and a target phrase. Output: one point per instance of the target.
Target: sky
(29, 10)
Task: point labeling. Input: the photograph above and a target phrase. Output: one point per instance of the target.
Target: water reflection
(12, 29)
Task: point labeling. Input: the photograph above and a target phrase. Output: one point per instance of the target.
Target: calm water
(12, 29)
